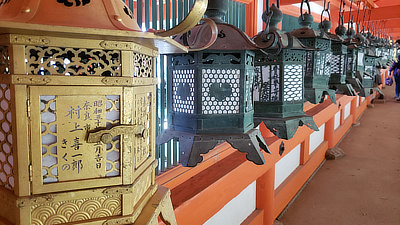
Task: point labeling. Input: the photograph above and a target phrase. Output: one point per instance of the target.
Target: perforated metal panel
(4, 60)
(293, 83)
(143, 65)
(6, 150)
(43, 60)
(220, 91)
(309, 63)
(350, 63)
(327, 64)
(337, 64)
(50, 144)
(360, 58)
(183, 91)
(267, 83)
(248, 101)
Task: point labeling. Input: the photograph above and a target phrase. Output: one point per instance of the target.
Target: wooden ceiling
(384, 13)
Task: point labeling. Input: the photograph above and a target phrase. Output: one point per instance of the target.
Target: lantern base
(193, 145)
(337, 79)
(285, 128)
(344, 89)
(358, 87)
(317, 95)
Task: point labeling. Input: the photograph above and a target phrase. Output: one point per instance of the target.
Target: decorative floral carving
(71, 61)
(143, 65)
(3, 2)
(23, 39)
(4, 60)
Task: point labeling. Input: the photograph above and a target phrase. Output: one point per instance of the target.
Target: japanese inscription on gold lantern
(78, 159)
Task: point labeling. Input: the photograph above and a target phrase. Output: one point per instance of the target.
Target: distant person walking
(394, 72)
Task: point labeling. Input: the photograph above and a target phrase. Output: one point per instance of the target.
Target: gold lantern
(77, 114)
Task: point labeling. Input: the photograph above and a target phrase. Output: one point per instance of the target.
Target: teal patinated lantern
(337, 79)
(279, 86)
(210, 91)
(356, 62)
(318, 62)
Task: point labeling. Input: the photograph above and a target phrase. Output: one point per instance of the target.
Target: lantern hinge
(30, 173)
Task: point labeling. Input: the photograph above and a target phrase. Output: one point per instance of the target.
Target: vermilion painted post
(305, 150)
(266, 194)
(330, 131)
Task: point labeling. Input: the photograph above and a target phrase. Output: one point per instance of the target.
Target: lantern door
(61, 120)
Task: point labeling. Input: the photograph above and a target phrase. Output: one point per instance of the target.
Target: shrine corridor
(363, 188)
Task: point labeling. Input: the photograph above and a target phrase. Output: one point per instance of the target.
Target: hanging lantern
(210, 88)
(337, 79)
(318, 63)
(279, 86)
(356, 61)
(368, 75)
(78, 114)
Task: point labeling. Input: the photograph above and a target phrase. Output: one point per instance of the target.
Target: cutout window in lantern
(279, 86)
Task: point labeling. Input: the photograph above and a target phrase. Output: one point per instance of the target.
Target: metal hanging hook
(326, 10)
(350, 23)
(301, 8)
(341, 14)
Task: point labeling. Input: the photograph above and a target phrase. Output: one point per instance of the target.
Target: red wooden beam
(385, 3)
(382, 13)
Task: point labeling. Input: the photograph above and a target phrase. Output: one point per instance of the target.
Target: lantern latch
(106, 136)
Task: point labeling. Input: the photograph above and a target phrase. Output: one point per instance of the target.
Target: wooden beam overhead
(385, 3)
(382, 13)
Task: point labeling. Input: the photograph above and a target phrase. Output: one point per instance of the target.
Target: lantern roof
(90, 19)
(103, 14)
(340, 31)
(272, 16)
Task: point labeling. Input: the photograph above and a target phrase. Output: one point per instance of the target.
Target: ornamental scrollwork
(75, 2)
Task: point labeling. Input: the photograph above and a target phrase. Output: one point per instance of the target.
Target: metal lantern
(337, 80)
(356, 61)
(318, 62)
(210, 91)
(279, 87)
(78, 114)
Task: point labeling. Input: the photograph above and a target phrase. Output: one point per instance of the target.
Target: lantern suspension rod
(358, 12)
(363, 21)
(326, 9)
(369, 19)
(341, 14)
(350, 23)
(301, 8)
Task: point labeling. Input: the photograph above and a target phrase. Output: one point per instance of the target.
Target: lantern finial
(305, 19)
(217, 9)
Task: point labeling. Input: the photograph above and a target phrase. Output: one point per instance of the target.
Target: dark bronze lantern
(210, 90)
(279, 85)
(356, 61)
(318, 62)
(337, 80)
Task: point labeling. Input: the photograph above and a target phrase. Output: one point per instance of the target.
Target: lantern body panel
(56, 93)
(278, 86)
(338, 64)
(351, 67)
(317, 69)
(211, 94)
(370, 71)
